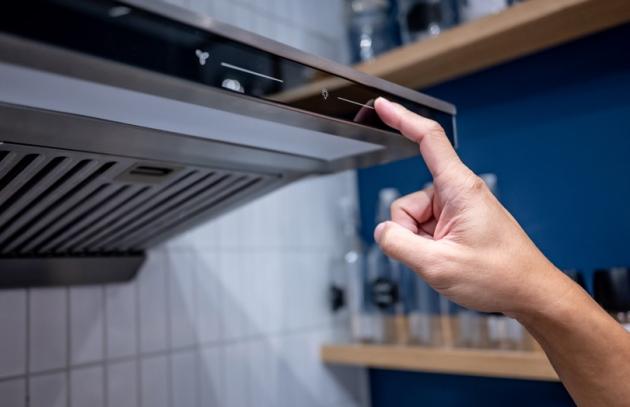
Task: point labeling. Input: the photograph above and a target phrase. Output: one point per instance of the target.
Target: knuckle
(397, 205)
(477, 184)
(387, 241)
(434, 129)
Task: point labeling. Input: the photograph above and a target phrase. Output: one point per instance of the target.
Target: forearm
(589, 349)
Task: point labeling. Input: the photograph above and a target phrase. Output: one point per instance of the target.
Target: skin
(467, 246)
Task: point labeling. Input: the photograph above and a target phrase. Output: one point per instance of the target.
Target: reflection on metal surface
(233, 84)
(238, 68)
(355, 103)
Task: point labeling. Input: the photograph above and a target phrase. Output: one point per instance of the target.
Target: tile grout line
(136, 289)
(166, 257)
(196, 322)
(68, 347)
(105, 379)
(27, 361)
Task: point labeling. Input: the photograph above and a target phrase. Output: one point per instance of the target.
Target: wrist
(550, 297)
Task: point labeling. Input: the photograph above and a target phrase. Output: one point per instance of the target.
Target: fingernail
(379, 230)
(383, 101)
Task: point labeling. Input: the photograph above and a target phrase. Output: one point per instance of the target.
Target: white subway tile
(273, 287)
(282, 32)
(120, 306)
(184, 379)
(153, 303)
(202, 6)
(87, 387)
(250, 294)
(181, 295)
(232, 226)
(336, 384)
(48, 326)
(86, 324)
(224, 11)
(263, 366)
(12, 332)
(122, 384)
(211, 375)
(155, 382)
(267, 221)
(293, 372)
(265, 25)
(208, 296)
(305, 290)
(237, 388)
(233, 317)
(48, 390)
(244, 17)
(13, 393)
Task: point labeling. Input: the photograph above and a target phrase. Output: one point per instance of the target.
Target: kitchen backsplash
(230, 314)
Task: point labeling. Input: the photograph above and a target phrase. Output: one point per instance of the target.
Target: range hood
(123, 124)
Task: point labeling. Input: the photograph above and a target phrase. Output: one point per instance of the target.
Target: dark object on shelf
(385, 293)
(420, 19)
(336, 297)
(612, 288)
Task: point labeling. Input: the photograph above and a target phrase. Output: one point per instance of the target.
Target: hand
(458, 237)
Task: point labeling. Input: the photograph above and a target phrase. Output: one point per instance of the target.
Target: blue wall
(555, 128)
(407, 389)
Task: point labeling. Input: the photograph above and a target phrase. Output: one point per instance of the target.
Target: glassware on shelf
(360, 310)
(470, 10)
(424, 314)
(372, 28)
(420, 19)
(384, 276)
(472, 329)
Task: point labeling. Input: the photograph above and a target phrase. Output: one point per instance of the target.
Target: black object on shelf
(336, 298)
(612, 288)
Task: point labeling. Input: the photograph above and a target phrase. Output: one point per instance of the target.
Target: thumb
(405, 246)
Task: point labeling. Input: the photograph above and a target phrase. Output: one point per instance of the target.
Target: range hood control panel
(135, 36)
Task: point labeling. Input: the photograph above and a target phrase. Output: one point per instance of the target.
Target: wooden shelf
(493, 363)
(520, 30)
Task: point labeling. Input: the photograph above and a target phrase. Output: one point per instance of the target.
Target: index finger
(436, 149)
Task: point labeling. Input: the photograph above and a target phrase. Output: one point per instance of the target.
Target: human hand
(458, 237)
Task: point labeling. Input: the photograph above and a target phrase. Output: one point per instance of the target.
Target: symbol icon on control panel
(325, 93)
(202, 55)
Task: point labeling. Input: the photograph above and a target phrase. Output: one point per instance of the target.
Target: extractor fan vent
(67, 203)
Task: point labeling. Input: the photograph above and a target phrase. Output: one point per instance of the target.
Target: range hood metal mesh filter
(60, 202)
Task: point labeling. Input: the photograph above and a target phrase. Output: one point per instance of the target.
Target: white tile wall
(87, 387)
(155, 389)
(184, 379)
(122, 384)
(86, 325)
(48, 390)
(121, 317)
(13, 333)
(13, 393)
(48, 328)
(230, 314)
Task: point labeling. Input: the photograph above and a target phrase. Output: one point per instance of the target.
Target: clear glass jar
(372, 29)
(420, 19)
(424, 315)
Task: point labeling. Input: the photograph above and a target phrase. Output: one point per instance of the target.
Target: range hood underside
(79, 217)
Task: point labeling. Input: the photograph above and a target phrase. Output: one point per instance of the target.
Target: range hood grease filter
(106, 151)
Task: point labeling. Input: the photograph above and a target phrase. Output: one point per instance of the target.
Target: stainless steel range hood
(123, 124)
